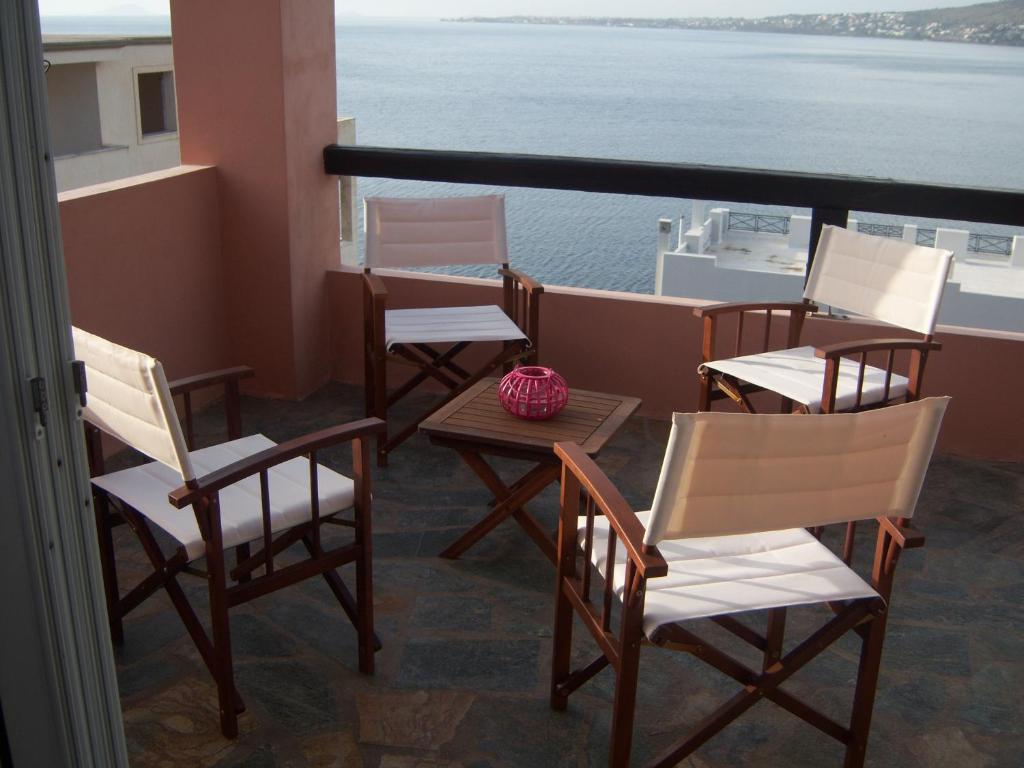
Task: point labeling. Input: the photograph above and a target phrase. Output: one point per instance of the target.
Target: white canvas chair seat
(797, 374)
(719, 575)
(145, 489)
(449, 324)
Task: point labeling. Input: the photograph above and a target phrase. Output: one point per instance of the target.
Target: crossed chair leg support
(509, 501)
(431, 364)
(216, 653)
(866, 616)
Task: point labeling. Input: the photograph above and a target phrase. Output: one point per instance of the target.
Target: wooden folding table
(474, 424)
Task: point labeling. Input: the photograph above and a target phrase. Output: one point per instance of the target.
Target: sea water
(909, 110)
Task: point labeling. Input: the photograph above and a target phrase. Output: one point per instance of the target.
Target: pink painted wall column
(257, 99)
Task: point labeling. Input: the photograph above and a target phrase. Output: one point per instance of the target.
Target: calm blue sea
(923, 111)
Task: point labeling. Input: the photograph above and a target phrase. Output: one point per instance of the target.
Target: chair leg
(704, 398)
(624, 702)
(241, 555)
(774, 634)
(864, 695)
(376, 393)
(223, 671)
(108, 565)
(368, 380)
(561, 656)
(368, 642)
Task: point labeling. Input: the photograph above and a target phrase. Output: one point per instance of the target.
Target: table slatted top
(476, 416)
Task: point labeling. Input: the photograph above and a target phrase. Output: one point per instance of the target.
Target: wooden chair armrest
(530, 285)
(752, 306)
(375, 287)
(251, 465)
(873, 345)
(904, 536)
(199, 381)
(229, 377)
(621, 517)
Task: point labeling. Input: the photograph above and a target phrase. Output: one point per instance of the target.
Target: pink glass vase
(533, 392)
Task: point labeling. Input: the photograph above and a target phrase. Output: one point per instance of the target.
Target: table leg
(510, 503)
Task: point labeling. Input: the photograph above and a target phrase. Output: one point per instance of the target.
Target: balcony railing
(883, 230)
(830, 197)
(759, 222)
(993, 245)
(998, 245)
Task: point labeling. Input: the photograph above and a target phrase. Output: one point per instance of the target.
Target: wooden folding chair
(877, 277)
(725, 535)
(248, 490)
(431, 232)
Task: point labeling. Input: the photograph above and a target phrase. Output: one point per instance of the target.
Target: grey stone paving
(462, 678)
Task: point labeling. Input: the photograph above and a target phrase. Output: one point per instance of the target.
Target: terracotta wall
(257, 98)
(144, 266)
(649, 347)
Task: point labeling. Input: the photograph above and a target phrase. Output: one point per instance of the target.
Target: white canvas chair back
(879, 277)
(733, 473)
(128, 398)
(435, 232)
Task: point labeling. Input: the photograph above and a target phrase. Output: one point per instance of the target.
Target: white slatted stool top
(799, 375)
(145, 488)
(718, 575)
(449, 324)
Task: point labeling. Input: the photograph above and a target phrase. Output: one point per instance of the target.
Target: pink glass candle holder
(533, 392)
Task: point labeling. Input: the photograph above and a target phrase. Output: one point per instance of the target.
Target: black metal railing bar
(830, 197)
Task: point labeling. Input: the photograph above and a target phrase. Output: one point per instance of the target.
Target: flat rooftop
(462, 679)
(88, 42)
(763, 252)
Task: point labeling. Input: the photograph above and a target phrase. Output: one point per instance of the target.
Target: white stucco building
(729, 256)
(112, 106)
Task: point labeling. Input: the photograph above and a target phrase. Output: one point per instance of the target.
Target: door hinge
(40, 404)
(78, 375)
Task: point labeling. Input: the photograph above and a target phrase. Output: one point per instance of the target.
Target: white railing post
(719, 218)
(347, 199)
(664, 232)
(799, 231)
(954, 240)
(910, 233)
(697, 216)
(1017, 252)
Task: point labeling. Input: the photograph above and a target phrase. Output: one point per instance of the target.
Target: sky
(442, 8)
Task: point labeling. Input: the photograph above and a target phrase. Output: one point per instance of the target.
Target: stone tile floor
(462, 678)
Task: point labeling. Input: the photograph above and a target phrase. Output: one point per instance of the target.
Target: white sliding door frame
(58, 691)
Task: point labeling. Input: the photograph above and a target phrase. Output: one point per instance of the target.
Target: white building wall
(125, 151)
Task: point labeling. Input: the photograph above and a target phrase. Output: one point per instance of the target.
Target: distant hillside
(999, 23)
(1006, 12)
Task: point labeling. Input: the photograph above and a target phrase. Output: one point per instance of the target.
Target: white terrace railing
(706, 232)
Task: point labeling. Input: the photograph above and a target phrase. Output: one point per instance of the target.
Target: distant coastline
(998, 23)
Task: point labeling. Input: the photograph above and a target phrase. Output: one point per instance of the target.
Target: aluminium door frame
(57, 682)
